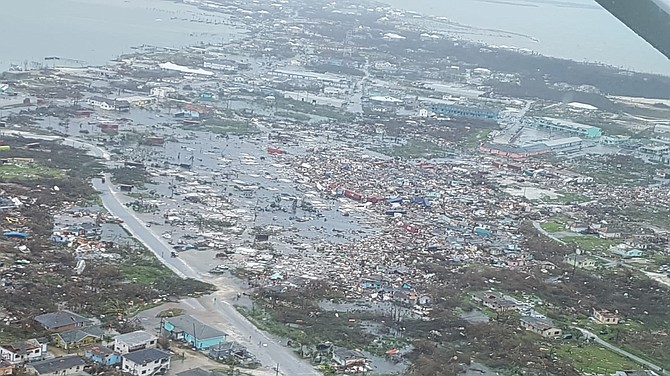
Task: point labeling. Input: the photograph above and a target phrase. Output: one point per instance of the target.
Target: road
(620, 351)
(270, 352)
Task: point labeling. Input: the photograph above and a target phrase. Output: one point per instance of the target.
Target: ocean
(96, 31)
(579, 30)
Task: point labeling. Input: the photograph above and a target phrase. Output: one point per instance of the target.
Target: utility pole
(277, 369)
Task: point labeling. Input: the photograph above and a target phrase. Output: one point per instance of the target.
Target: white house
(138, 340)
(23, 351)
(103, 103)
(109, 104)
(145, 362)
(161, 91)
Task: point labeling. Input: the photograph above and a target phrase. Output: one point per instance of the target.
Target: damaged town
(332, 188)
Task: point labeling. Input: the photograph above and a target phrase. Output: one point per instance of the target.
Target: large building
(449, 110)
(192, 331)
(513, 151)
(322, 78)
(569, 127)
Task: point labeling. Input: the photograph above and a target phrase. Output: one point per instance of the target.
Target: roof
(194, 372)
(348, 354)
(569, 124)
(538, 322)
(101, 351)
(55, 320)
(135, 338)
(194, 327)
(21, 347)
(102, 99)
(146, 356)
(57, 364)
(76, 335)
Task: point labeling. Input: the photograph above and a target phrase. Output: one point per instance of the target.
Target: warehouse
(557, 125)
(444, 109)
(563, 143)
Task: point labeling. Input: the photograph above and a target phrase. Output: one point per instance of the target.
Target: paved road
(620, 351)
(270, 353)
(139, 230)
(539, 228)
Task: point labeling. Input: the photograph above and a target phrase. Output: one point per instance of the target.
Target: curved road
(269, 353)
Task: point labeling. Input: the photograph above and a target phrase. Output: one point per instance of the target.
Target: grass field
(29, 171)
(594, 359)
(553, 226)
(145, 272)
(590, 243)
(413, 150)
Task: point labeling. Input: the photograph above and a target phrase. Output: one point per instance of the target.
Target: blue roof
(16, 234)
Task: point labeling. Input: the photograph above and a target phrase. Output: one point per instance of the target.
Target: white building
(138, 340)
(221, 65)
(161, 91)
(145, 362)
(104, 103)
(662, 128)
(23, 351)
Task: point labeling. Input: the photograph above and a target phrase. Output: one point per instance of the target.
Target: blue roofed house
(626, 251)
(102, 355)
(192, 331)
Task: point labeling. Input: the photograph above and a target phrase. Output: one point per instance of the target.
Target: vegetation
(590, 242)
(566, 198)
(49, 281)
(293, 115)
(414, 150)
(29, 171)
(135, 176)
(553, 226)
(591, 358)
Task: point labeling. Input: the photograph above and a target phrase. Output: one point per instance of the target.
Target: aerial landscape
(311, 187)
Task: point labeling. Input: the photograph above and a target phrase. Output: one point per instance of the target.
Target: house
(6, 368)
(109, 104)
(138, 340)
(229, 350)
(103, 103)
(76, 338)
(609, 233)
(123, 106)
(102, 355)
(192, 331)
(494, 301)
(62, 320)
(24, 351)
(60, 366)
(161, 91)
(626, 251)
(349, 358)
(579, 227)
(606, 317)
(579, 261)
(542, 326)
(146, 362)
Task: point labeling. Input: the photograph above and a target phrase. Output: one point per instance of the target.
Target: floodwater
(579, 30)
(92, 32)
